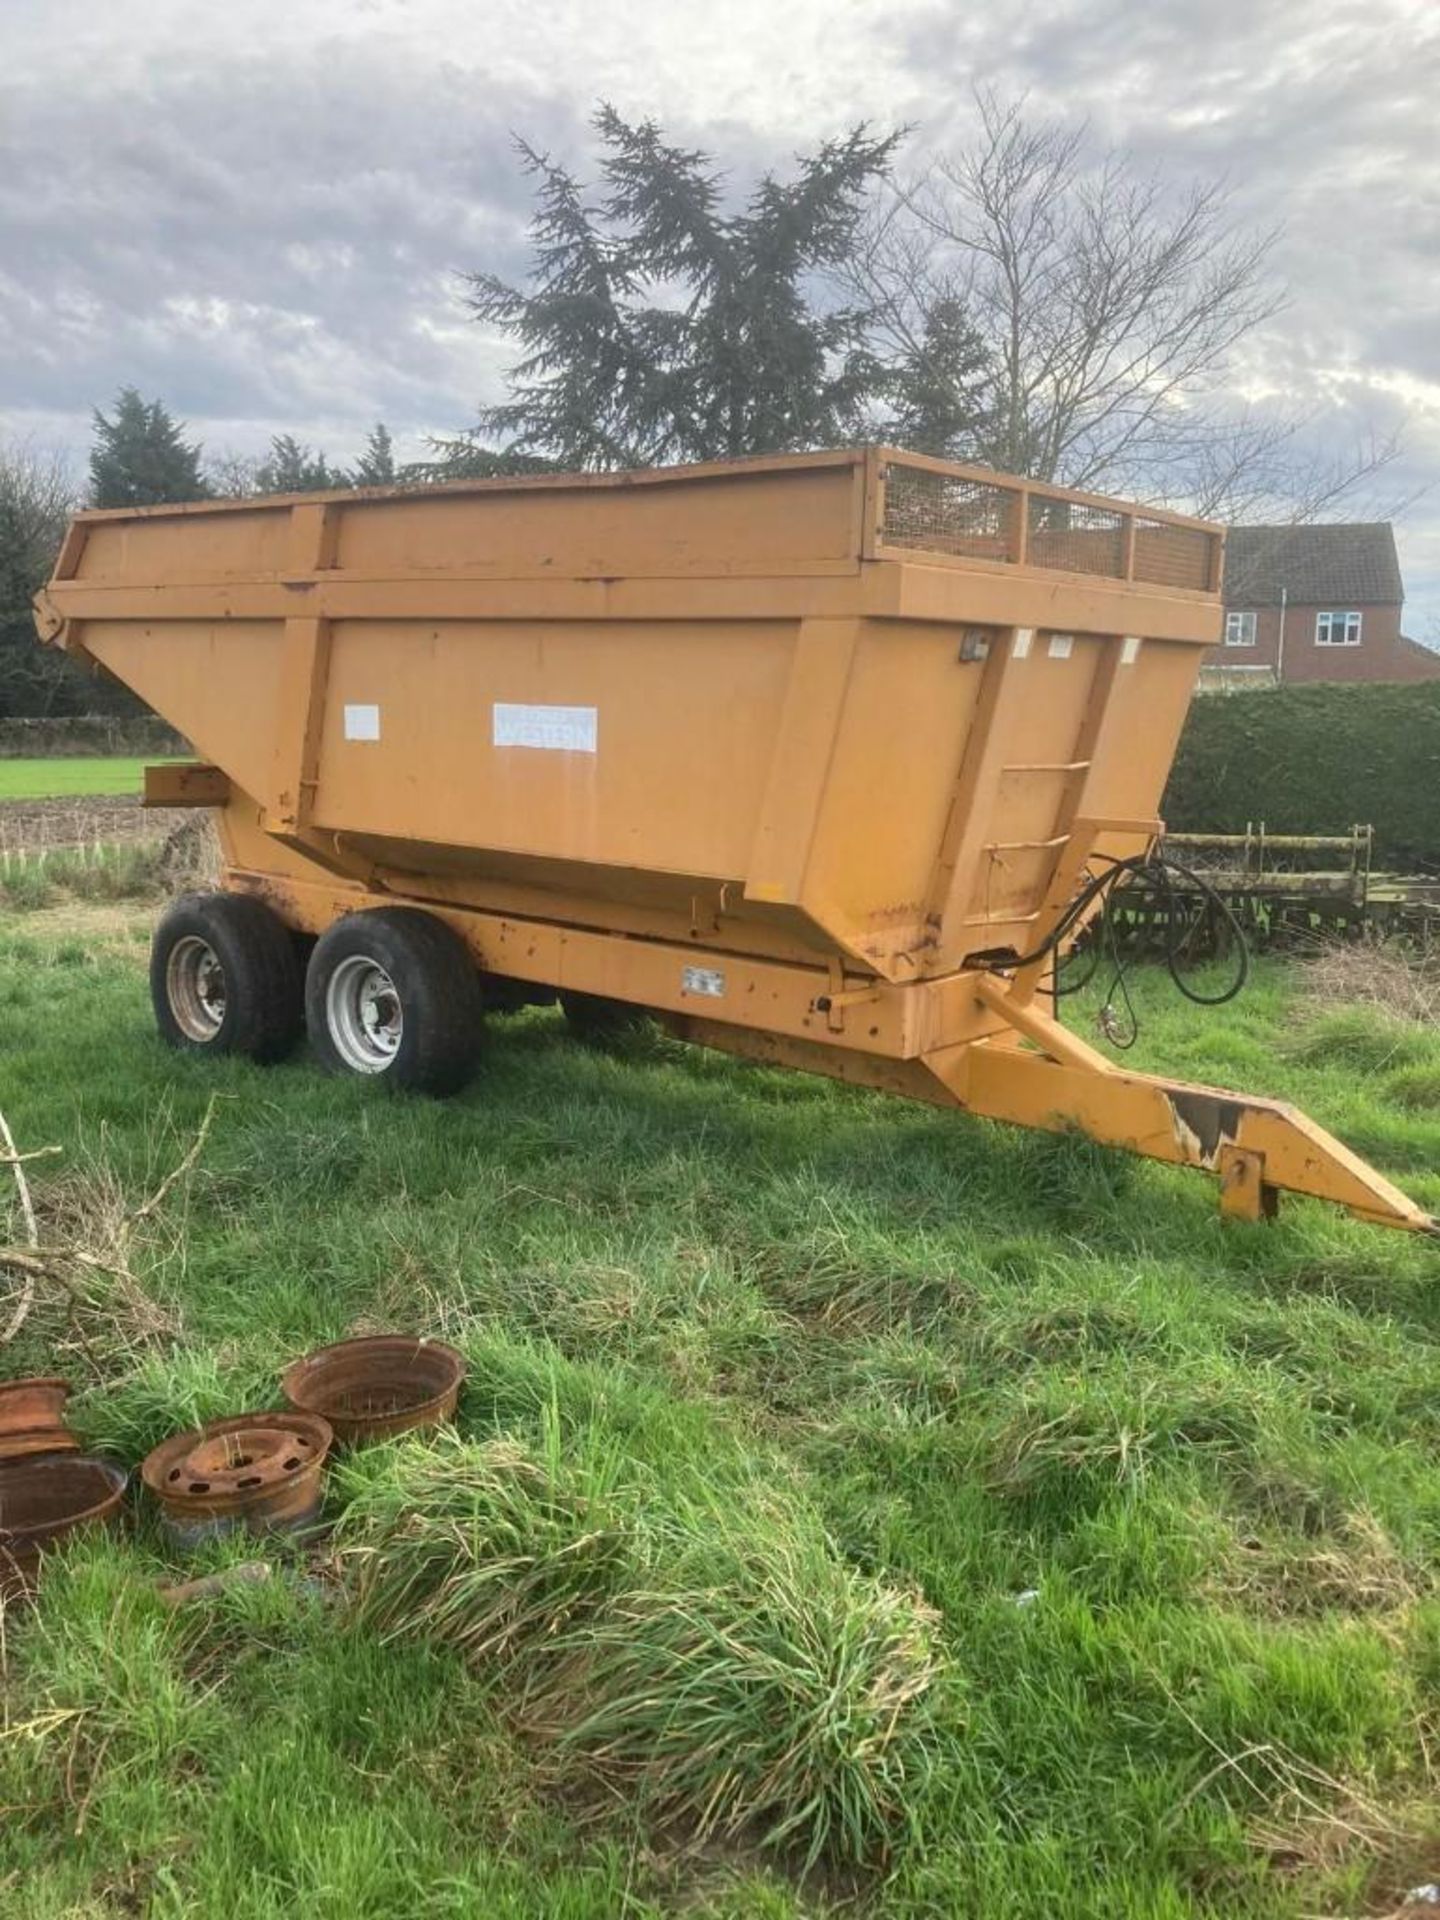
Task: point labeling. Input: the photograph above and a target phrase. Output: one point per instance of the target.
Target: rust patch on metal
(1204, 1122)
(259, 1470)
(193, 784)
(370, 1388)
(904, 913)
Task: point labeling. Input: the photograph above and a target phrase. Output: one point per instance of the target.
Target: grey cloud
(1319, 114)
(257, 211)
(275, 244)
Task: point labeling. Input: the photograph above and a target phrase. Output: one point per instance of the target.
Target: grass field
(1041, 1545)
(61, 779)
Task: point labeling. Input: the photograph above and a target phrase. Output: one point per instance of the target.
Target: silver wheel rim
(195, 988)
(363, 1014)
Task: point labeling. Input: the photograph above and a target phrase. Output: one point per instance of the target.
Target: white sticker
(1062, 645)
(1021, 648)
(362, 723)
(1130, 652)
(703, 980)
(558, 729)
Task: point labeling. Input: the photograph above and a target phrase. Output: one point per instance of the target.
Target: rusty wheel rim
(32, 1417)
(378, 1385)
(43, 1500)
(265, 1465)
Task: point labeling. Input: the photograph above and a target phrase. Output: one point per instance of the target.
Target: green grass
(968, 1510)
(65, 779)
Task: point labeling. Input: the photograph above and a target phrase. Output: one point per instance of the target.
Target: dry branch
(179, 1170)
(16, 1163)
(86, 1255)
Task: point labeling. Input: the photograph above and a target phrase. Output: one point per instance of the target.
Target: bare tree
(1110, 307)
(37, 497)
(1264, 465)
(231, 475)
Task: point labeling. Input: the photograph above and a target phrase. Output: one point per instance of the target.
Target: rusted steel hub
(41, 1501)
(32, 1418)
(259, 1470)
(380, 1385)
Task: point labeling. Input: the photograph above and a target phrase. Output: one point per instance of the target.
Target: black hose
(1186, 910)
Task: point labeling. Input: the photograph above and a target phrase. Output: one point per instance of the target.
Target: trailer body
(803, 754)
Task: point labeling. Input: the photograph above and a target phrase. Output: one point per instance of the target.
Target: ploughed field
(66, 821)
(854, 1508)
(51, 805)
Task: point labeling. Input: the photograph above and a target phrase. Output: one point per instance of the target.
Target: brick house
(1316, 603)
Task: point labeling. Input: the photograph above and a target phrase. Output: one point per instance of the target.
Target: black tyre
(224, 977)
(602, 1022)
(394, 994)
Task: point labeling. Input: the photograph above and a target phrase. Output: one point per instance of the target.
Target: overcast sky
(256, 210)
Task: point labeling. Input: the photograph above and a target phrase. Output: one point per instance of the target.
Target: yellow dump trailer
(807, 756)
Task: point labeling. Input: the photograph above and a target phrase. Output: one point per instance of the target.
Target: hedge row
(88, 733)
(1316, 759)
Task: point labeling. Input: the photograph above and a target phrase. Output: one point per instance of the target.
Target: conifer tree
(660, 324)
(376, 466)
(139, 456)
(940, 387)
(292, 467)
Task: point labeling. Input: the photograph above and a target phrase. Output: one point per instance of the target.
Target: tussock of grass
(1416, 1088)
(707, 1654)
(1370, 1855)
(1053, 1438)
(166, 1391)
(1366, 1039)
(481, 1546)
(1091, 1326)
(830, 1286)
(1359, 1570)
(1385, 974)
(107, 872)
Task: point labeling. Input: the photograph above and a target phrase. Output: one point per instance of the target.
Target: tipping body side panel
(729, 702)
(639, 744)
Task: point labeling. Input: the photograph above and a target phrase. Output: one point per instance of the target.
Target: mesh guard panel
(1170, 556)
(948, 514)
(1075, 538)
(977, 519)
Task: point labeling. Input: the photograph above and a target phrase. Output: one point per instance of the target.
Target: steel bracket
(1245, 1194)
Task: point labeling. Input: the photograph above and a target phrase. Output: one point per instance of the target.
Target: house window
(1239, 629)
(1337, 629)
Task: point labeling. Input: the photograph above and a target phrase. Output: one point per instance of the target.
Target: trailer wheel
(393, 993)
(224, 977)
(602, 1022)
